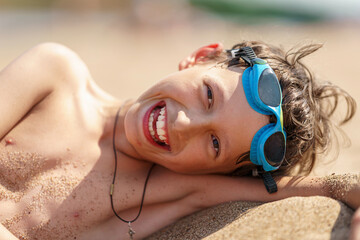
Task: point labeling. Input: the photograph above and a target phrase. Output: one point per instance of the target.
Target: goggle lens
(274, 149)
(269, 89)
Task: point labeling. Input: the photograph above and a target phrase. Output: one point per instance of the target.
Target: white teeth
(151, 119)
(160, 131)
(160, 126)
(160, 123)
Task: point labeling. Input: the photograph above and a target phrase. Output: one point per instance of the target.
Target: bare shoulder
(61, 63)
(47, 64)
(35, 75)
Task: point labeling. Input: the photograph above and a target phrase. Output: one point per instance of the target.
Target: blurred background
(130, 44)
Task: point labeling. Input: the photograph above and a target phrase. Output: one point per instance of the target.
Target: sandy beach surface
(292, 218)
(126, 55)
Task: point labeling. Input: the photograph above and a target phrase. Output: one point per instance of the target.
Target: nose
(186, 124)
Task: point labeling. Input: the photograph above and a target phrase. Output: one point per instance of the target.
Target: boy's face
(198, 135)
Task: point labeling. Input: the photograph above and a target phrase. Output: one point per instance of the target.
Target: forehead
(235, 119)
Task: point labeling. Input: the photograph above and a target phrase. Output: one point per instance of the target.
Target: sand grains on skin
(17, 168)
(23, 181)
(339, 186)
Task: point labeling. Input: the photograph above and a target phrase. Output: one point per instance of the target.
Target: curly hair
(307, 107)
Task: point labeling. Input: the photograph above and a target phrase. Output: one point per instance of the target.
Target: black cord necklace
(131, 231)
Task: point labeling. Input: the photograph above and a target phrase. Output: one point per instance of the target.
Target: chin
(131, 127)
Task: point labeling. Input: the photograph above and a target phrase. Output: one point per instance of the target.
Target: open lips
(157, 125)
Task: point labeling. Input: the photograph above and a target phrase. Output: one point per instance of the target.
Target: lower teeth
(158, 142)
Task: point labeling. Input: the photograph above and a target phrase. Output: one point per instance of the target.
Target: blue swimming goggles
(263, 93)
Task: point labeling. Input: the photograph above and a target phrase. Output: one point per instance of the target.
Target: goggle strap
(269, 182)
(233, 61)
(246, 53)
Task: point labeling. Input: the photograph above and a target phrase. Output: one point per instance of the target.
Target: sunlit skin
(192, 120)
(57, 119)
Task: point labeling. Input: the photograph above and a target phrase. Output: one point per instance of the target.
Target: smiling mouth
(157, 126)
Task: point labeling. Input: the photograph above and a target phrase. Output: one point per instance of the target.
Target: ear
(201, 55)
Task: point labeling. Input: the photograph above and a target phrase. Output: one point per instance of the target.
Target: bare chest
(40, 196)
(65, 200)
(54, 176)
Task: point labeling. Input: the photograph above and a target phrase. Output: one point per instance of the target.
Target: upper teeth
(160, 126)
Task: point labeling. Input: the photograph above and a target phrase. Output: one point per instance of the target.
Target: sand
(118, 49)
(292, 218)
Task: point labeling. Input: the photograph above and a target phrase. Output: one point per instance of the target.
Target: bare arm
(30, 78)
(171, 196)
(217, 189)
(209, 190)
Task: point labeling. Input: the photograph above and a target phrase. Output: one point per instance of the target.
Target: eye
(216, 144)
(209, 96)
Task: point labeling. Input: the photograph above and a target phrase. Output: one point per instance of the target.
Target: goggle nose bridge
(273, 119)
